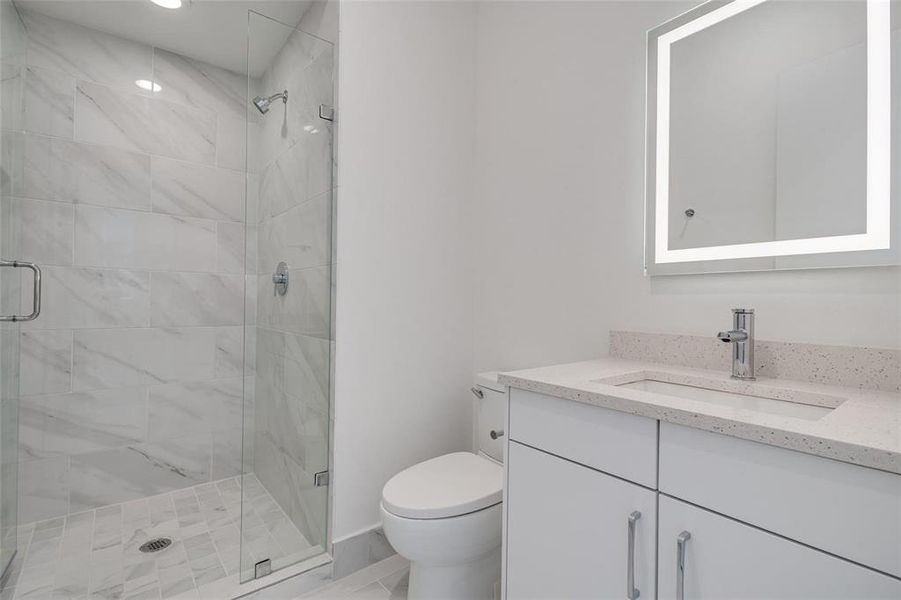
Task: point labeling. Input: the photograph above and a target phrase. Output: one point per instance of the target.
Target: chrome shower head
(262, 103)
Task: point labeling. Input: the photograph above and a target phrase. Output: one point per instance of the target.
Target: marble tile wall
(133, 203)
(294, 202)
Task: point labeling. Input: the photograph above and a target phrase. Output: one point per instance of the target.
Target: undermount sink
(742, 395)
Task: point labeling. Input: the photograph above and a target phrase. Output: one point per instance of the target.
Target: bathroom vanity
(638, 480)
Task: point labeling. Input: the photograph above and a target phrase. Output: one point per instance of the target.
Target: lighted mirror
(770, 137)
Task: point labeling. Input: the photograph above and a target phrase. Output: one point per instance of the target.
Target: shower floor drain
(155, 545)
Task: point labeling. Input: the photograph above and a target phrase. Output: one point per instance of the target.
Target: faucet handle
(732, 336)
(743, 311)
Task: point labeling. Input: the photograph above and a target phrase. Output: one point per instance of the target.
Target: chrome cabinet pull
(680, 564)
(632, 592)
(36, 306)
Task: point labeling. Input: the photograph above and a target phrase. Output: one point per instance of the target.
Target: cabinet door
(724, 559)
(568, 530)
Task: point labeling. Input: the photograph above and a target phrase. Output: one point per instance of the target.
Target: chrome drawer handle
(36, 306)
(632, 592)
(681, 541)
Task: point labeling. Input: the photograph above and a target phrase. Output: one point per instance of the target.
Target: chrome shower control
(496, 433)
(280, 279)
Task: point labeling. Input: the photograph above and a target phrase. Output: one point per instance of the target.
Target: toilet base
(474, 580)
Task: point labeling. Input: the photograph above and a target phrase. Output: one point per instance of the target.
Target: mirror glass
(769, 136)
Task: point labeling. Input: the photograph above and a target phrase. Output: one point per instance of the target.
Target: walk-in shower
(166, 399)
(262, 103)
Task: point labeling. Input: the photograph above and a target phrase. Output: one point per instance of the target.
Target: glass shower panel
(289, 274)
(12, 52)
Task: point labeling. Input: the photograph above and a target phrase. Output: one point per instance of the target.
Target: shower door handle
(36, 306)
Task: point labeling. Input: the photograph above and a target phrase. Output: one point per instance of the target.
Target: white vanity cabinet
(581, 526)
(575, 533)
(755, 521)
(712, 557)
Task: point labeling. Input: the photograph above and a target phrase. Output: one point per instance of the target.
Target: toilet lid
(447, 486)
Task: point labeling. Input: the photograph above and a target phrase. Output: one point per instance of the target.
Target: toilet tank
(490, 413)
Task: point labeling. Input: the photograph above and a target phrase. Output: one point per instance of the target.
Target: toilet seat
(447, 486)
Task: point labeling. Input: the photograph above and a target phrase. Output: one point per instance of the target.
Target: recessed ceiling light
(167, 3)
(150, 86)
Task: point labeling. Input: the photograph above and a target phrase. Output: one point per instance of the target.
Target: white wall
(404, 303)
(548, 99)
(559, 198)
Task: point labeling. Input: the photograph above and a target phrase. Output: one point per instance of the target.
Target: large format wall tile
(44, 230)
(182, 188)
(11, 96)
(45, 362)
(307, 370)
(300, 236)
(77, 423)
(297, 53)
(134, 122)
(49, 102)
(293, 426)
(12, 163)
(305, 309)
(292, 488)
(299, 174)
(85, 53)
(227, 455)
(136, 471)
(231, 248)
(231, 143)
(229, 360)
(42, 489)
(107, 237)
(106, 358)
(84, 298)
(199, 84)
(194, 299)
(181, 409)
(56, 169)
(270, 358)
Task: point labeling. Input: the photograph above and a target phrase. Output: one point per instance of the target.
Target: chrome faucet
(742, 339)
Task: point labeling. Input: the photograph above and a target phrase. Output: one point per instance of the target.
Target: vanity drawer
(607, 440)
(847, 510)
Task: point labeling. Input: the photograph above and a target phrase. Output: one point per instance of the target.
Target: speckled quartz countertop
(863, 428)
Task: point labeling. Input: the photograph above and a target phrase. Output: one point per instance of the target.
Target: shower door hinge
(321, 479)
(262, 568)
(326, 112)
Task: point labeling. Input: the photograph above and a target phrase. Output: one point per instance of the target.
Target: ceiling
(214, 31)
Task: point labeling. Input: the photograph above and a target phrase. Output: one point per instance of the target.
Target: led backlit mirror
(770, 136)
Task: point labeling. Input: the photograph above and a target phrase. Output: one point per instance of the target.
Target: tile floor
(94, 554)
(385, 580)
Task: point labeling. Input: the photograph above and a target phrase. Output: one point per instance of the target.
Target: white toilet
(444, 514)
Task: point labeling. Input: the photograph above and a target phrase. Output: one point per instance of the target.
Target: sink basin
(731, 394)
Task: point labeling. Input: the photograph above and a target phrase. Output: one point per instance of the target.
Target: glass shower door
(289, 318)
(12, 52)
